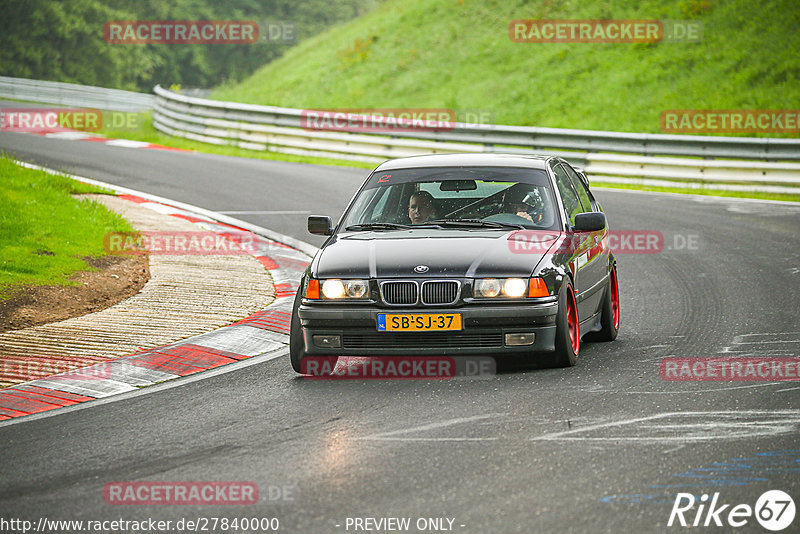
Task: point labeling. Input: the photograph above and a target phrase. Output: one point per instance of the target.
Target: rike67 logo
(774, 510)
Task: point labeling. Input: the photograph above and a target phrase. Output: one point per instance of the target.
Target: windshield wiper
(376, 226)
(476, 223)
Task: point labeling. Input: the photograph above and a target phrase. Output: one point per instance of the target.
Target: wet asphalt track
(601, 447)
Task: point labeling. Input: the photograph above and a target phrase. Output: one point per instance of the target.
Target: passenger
(421, 207)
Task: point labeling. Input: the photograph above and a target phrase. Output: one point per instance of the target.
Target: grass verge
(44, 231)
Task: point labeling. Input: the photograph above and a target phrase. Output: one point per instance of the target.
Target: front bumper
(484, 329)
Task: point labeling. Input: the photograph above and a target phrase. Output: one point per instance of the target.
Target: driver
(525, 204)
(420, 207)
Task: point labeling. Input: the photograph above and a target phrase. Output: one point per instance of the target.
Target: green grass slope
(457, 54)
(44, 231)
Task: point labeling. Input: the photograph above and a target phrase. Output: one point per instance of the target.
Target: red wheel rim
(614, 297)
(572, 321)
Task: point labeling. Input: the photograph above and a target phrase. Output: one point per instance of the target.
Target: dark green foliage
(63, 40)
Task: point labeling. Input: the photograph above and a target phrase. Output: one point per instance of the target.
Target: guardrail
(745, 163)
(70, 94)
(735, 163)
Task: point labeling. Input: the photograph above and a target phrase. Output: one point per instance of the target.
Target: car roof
(466, 160)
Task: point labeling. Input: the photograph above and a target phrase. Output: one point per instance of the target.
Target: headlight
(510, 287)
(487, 287)
(340, 289)
(356, 289)
(333, 289)
(515, 287)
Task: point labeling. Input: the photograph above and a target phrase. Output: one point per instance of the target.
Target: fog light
(515, 340)
(328, 342)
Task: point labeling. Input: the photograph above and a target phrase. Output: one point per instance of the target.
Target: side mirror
(320, 225)
(590, 222)
(582, 174)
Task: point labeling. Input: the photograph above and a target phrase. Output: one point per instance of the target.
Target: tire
(568, 340)
(609, 319)
(296, 344)
(297, 347)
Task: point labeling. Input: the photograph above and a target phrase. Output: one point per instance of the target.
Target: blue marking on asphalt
(719, 474)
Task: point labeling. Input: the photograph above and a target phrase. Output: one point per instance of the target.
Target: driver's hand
(525, 215)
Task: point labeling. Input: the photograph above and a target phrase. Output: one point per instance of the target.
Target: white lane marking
(715, 425)
(743, 343)
(391, 436)
(787, 389)
(710, 390)
(766, 342)
(669, 428)
(74, 135)
(127, 143)
(767, 334)
(557, 435)
(371, 438)
(278, 212)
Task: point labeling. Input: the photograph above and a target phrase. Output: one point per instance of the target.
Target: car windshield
(458, 197)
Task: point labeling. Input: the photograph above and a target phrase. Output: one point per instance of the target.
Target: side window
(572, 206)
(583, 193)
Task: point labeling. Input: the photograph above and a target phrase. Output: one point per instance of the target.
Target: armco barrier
(745, 163)
(70, 94)
(732, 163)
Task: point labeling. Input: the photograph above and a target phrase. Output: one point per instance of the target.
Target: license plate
(418, 322)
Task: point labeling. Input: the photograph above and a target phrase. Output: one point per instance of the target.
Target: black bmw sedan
(461, 254)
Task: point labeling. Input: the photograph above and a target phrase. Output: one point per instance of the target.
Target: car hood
(446, 253)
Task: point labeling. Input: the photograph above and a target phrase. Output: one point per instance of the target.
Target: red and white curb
(77, 135)
(264, 331)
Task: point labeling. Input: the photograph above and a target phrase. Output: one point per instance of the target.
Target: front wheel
(568, 337)
(296, 345)
(322, 365)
